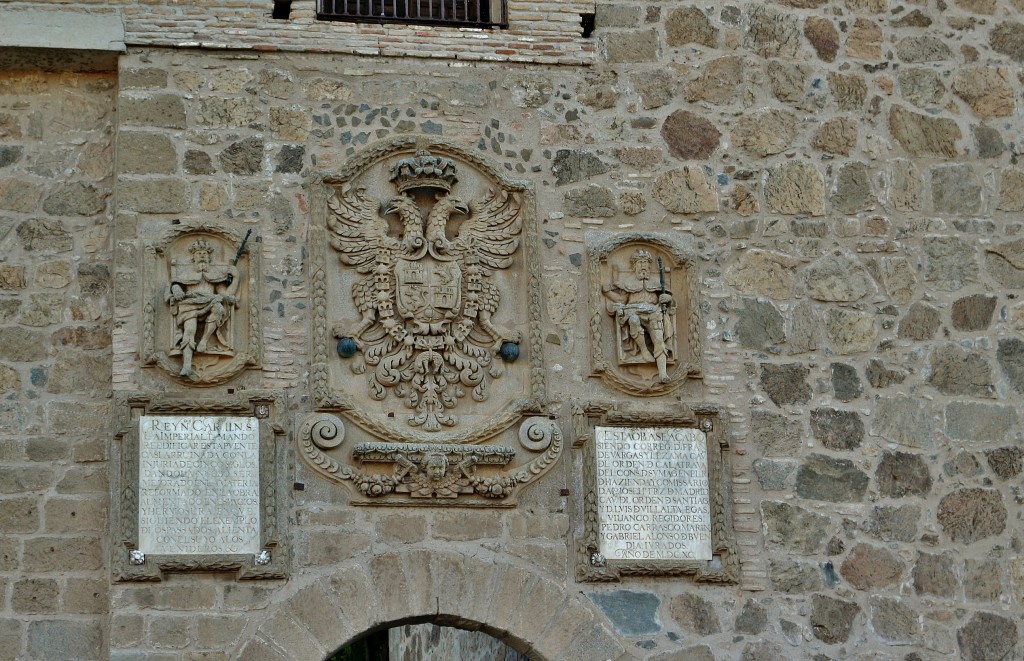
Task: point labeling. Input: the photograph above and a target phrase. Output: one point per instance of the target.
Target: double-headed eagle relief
(424, 292)
(426, 330)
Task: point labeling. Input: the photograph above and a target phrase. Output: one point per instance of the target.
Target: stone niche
(656, 496)
(196, 487)
(427, 368)
(200, 315)
(645, 325)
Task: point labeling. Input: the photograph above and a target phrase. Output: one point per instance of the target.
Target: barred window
(467, 13)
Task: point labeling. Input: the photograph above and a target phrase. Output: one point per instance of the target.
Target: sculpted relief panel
(644, 327)
(426, 333)
(200, 316)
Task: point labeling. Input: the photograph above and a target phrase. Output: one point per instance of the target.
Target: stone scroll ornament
(645, 324)
(200, 317)
(426, 326)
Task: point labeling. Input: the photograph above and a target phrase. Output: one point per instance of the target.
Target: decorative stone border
(128, 563)
(590, 566)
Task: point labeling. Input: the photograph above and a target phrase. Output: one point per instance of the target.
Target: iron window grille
(458, 13)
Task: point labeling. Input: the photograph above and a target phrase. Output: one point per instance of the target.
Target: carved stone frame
(724, 566)
(127, 564)
(248, 351)
(326, 397)
(599, 247)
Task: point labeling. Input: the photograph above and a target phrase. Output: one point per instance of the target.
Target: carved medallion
(645, 324)
(426, 325)
(201, 310)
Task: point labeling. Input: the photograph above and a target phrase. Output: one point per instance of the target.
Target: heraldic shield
(426, 312)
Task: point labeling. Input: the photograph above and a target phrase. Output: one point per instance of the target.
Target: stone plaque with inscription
(199, 484)
(653, 500)
(196, 486)
(655, 493)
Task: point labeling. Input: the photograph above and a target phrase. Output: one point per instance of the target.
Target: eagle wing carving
(357, 230)
(492, 232)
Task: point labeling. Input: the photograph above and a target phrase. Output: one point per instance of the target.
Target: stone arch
(531, 612)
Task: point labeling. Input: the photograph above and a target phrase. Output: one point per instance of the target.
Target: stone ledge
(61, 40)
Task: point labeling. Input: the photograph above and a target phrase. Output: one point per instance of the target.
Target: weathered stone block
(78, 640)
(959, 371)
(1007, 462)
(983, 579)
(987, 637)
(902, 474)
(956, 189)
(629, 47)
(21, 515)
(967, 515)
(772, 33)
(865, 40)
(836, 429)
(760, 325)
(35, 596)
(889, 523)
(244, 157)
(762, 273)
(331, 547)
(689, 136)
(590, 202)
(795, 187)
(86, 595)
(158, 110)
(146, 153)
(823, 36)
(570, 166)
(794, 577)
(63, 554)
(1008, 38)
(834, 480)
(838, 277)
(894, 621)
(774, 474)
(686, 190)
(832, 619)
(921, 135)
(973, 421)
(923, 48)
(793, 527)
(153, 195)
(632, 613)
(786, 384)
(870, 567)
(850, 332)
(695, 614)
(846, 383)
(765, 132)
(690, 25)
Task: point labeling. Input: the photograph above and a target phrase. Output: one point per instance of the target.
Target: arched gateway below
(531, 612)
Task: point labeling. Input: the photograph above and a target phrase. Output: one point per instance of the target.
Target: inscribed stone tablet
(652, 493)
(199, 485)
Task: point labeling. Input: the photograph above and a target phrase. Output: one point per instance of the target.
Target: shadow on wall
(427, 642)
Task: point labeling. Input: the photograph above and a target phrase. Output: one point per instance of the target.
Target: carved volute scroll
(426, 336)
(201, 309)
(645, 323)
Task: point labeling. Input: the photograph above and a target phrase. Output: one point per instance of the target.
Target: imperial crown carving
(426, 336)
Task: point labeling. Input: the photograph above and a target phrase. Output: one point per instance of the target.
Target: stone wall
(848, 173)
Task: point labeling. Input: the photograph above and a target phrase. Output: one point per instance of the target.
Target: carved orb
(509, 352)
(346, 347)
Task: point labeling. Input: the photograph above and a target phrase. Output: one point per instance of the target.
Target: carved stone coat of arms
(426, 321)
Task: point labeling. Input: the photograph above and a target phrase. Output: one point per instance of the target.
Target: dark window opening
(587, 21)
(282, 10)
(467, 13)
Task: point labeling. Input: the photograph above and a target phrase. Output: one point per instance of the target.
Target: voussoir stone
(969, 515)
(870, 567)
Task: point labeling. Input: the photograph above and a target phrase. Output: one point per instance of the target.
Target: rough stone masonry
(847, 171)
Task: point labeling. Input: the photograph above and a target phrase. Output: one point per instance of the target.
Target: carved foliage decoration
(430, 473)
(426, 302)
(590, 564)
(128, 561)
(427, 349)
(645, 320)
(201, 304)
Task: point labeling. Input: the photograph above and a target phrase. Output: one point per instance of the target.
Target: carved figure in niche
(424, 293)
(645, 312)
(201, 296)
